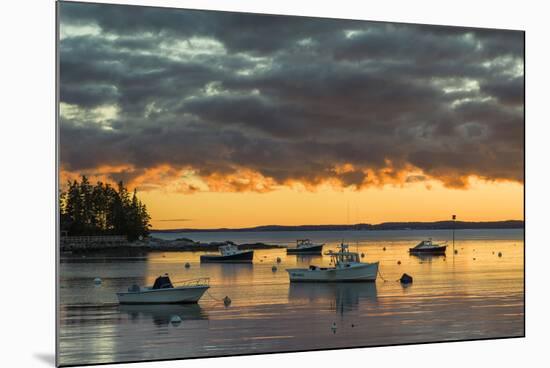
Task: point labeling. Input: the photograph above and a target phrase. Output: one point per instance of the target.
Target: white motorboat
(305, 246)
(347, 268)
(163, 292)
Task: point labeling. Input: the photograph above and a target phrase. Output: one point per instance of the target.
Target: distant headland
(436, 225)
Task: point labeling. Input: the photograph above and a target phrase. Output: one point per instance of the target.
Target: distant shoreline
(436, 225)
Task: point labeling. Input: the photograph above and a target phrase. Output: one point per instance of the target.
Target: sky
(235, 120)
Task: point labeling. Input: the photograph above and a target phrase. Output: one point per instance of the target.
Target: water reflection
(308, 259)
(161, 314)
(228, 272)
(341, 297)
(470, 299)
(427, 257)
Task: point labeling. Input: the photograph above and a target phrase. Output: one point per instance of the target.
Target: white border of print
(28, 180)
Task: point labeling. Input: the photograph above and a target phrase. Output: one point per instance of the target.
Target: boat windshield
(346, 257)
(424, 243)
(343, 256)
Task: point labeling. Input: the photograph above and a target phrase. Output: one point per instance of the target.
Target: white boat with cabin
(163, 292)
(347, 268)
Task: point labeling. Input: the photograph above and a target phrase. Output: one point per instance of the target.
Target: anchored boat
(305, 246)
(164, 292)
(428, 247)
(229, 253)
(347, 268)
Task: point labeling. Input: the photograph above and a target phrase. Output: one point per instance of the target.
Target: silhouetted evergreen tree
(102, 210)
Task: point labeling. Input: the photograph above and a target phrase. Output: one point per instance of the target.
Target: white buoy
(278, 259)
(97, 281)
(274, 268)
(187, 265)
(175, 320)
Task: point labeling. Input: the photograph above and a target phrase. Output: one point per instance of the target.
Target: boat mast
(454, 221)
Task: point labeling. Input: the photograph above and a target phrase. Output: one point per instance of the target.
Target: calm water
(475, 294)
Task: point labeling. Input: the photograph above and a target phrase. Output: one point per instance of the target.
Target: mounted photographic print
(234, 183)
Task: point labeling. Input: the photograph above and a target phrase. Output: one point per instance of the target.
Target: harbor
(473, 294)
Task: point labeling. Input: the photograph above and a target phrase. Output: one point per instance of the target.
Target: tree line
(102, 209)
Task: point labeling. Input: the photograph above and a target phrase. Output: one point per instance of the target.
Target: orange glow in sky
(482, 201)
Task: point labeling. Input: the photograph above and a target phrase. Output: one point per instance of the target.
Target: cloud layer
(230, 101)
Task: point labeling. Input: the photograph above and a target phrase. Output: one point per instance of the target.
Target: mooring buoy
(500, 254)
(175, 320)
(384, 249)
(226, 301)
(398, 262)
(274, 268)
(333, 327)
(406, 279)
(187, 265)
(97, 281)
(278, 259)
(362, 255)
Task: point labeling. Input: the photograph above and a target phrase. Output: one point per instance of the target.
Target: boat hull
(244, 257)
(316, 249)
(438, 250)
(177, 295)
(365, 272)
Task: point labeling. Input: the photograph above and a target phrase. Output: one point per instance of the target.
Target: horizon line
(343, 225)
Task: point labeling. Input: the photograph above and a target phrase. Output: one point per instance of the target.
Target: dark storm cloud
(290, 98)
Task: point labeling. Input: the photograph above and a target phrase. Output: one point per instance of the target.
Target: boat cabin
(344, 256)
(424, 243)
(229, 249)
(303, 242)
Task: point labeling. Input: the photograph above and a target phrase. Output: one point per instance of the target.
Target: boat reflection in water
(161, 314)
(343, 297)
(228, 271)
(307, 259)
(425, 257)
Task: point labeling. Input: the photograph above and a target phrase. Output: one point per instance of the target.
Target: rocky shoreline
(151, 244)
